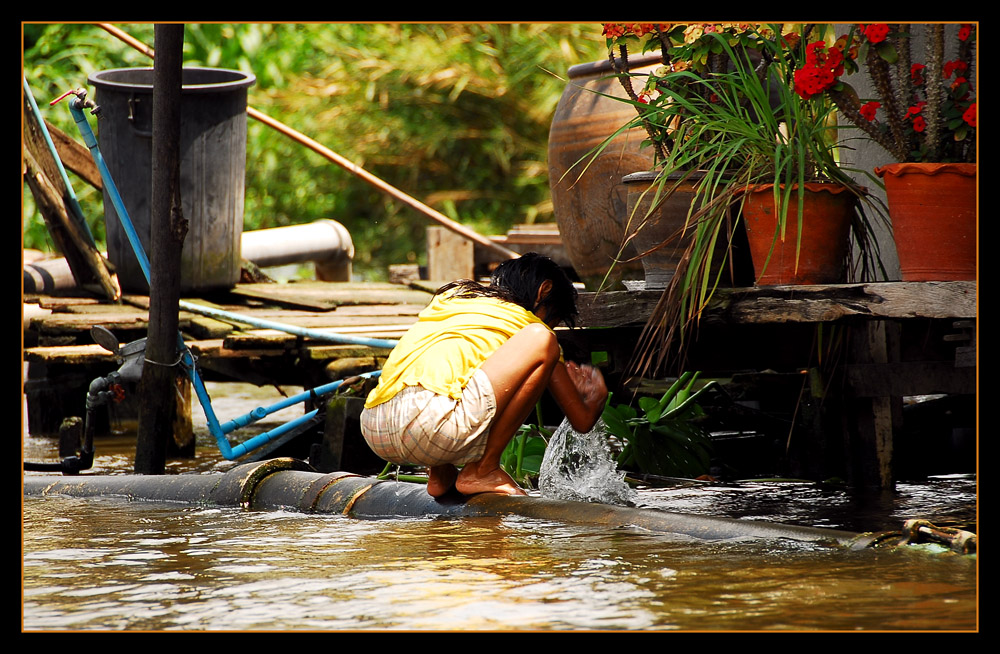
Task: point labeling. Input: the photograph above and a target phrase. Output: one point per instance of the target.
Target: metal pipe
(320, 241)
(48, 276)
(290, 484)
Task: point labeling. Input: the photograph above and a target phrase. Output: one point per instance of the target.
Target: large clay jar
(819, 256)
(588, 196)
(934, 219)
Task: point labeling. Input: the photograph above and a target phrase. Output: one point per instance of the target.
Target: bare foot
(470, 482)
(441, 479)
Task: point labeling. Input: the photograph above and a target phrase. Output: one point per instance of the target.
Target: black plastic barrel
(213, 166)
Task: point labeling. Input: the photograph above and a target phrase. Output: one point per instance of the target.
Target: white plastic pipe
(324, 241)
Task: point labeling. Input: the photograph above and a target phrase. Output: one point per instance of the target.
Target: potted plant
(924, 115)
(655, 220)
(757, 145)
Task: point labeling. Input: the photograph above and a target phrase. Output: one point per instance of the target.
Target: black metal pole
(168, 227)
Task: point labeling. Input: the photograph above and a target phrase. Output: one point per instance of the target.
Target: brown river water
(104, 564)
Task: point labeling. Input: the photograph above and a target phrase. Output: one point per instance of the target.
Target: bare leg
(441, 479)
(519, 372)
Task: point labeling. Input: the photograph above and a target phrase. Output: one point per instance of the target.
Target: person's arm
(580, 392)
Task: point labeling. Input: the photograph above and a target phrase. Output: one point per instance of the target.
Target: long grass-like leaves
(745, 129)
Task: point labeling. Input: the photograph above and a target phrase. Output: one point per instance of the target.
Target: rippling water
(109, 564)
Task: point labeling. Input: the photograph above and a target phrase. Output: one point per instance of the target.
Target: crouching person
(467, 374)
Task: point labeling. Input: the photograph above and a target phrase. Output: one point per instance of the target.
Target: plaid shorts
(421, 427)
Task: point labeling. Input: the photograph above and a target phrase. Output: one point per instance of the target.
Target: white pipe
(325, 242)
(320, 241)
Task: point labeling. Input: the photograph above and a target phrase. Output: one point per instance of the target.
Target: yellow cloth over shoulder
(451, 339)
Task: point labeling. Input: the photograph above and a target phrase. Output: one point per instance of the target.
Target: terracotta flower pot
(934, 219)
(826, 224)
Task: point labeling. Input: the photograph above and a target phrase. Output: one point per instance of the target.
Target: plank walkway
(911, 339)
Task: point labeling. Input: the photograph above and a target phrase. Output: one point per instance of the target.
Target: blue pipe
(133, 238)
(262, 412)
(76, 108)
(74, 204)
(291, 329)
(217, 430)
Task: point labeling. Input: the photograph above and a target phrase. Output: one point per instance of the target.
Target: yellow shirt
(450, 340)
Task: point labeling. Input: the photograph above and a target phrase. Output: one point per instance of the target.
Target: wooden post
(450, 256)
(876, 417)
(157, 411)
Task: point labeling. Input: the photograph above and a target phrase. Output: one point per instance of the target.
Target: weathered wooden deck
(907, 339)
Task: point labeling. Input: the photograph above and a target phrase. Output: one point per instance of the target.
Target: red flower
(876, 32)
(640, 29)
(950, 67)
(964, 32)
(916, 73)
(915, 109)
(613, 30)
(970, 115)
(919, 124)
(820, 71)
(868, 110)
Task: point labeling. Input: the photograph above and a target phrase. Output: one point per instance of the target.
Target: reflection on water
(108, 564)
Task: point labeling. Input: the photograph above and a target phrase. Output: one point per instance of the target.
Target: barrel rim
(241, 80)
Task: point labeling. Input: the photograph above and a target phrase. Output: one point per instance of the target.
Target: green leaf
(615, 422)
(887, 51)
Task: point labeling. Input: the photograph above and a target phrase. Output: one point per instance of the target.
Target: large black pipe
(293, 485)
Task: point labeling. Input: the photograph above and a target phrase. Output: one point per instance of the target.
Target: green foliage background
(455, 115)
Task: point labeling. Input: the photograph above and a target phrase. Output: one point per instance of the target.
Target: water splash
(580, 467)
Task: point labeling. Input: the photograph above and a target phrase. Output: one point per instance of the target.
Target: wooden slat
(69, 354)
(321, 296)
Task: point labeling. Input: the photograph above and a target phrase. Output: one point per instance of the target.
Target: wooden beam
(41, 171)
(831, 302)
(803, 304)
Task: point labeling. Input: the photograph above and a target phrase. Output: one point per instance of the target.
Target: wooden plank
(267, 338)
(782, 304)
(63, 303)
(321, 296)
(75, 156)
(68, 354)
(69, 323)
(832, 302)
(616, 308)
(325, 352)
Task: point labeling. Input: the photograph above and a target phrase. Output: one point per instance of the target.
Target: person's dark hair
(518, 280)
